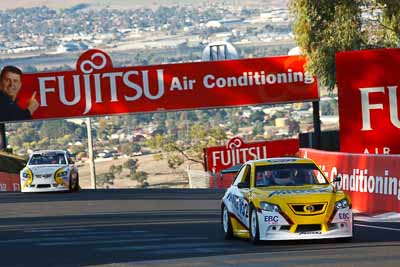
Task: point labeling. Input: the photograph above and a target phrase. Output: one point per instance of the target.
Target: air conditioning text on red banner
(373, 181)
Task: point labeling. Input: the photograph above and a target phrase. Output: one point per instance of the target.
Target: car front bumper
(274, 226)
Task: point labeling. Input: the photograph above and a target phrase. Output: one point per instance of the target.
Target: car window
(48, 158)
(288, 175)
(70, 161)
(244, 172)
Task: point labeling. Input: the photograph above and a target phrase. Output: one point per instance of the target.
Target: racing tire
(76, 185)
(226, 223)
(253, 227)
(70, 184)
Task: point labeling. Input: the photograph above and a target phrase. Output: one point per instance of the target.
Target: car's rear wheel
(254, 229)
(226, 223)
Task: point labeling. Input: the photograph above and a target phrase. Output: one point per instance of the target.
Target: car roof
(49, 151)
(280, 160)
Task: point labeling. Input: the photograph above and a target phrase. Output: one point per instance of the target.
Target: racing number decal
(240, 207)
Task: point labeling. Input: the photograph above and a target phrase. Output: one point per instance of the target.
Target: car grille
(301, 228)
(43, 176)
(309, 208)
(43, 186)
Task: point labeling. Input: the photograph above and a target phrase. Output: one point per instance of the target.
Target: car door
(73, 168)
(238, 197)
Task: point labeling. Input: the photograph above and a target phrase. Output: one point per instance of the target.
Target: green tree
(177, 151)
(324, 27)
(105, 179)
(115, 169)
(131, 165)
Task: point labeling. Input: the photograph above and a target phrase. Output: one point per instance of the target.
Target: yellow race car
(285, 199)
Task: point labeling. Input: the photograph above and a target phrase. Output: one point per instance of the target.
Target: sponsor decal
(97, 88)
(372, 181)
(303, 192)
(239, 204)
(373, 103)
(3, 187)
(237, 151)
(344, 216)
(311, 233)
(271, 219)
(9, 182)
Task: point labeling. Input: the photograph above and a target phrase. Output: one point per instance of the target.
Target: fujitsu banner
(237, 151)
(9, 182)
(368, 84)
(97, 88)
(372, 181)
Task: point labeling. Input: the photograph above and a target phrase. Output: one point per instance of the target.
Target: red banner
(369, 101)
(9, 182)
(97, 88)
(236, 152)
(372, 181)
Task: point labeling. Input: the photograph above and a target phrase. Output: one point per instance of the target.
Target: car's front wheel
(76, 185)
(226, 223)
(254, 229)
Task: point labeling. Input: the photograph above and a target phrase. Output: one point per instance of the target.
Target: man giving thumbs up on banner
(10, 84)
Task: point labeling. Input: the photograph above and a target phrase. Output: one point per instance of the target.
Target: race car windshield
(288, 175)
(47, 159)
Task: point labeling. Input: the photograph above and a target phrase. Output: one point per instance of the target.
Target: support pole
(3, 140)
(317, 125)
(91, 156)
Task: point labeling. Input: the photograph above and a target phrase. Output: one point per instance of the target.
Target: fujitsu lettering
(367, 107)
(92, 84)
(237, 156)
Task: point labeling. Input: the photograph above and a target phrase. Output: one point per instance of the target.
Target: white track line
(377, 227)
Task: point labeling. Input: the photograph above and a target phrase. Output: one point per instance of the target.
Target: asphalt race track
(162, 228)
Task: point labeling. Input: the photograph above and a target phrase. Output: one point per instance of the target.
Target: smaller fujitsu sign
(237, 151)
(97, 88)
(368, 85)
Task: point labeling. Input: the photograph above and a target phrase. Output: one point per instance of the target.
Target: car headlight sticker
(269, 207)
(60, 175)
(342, 204)
(27, 174)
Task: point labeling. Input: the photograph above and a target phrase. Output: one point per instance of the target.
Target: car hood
(297, 194)
(45, 169)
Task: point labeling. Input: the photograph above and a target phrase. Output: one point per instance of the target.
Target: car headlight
(342, 204)
(61, 173)
(269, 207)
(26, 173)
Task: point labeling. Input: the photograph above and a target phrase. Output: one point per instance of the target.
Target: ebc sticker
(271, 219)
(344, 216)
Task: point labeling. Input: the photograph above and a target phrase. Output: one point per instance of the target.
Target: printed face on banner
(96, 88)
(368, 83)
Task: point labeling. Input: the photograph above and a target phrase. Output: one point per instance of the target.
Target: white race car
(48, 171)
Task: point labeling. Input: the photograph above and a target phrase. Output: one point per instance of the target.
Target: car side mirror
(335, 181)
(243, 185)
